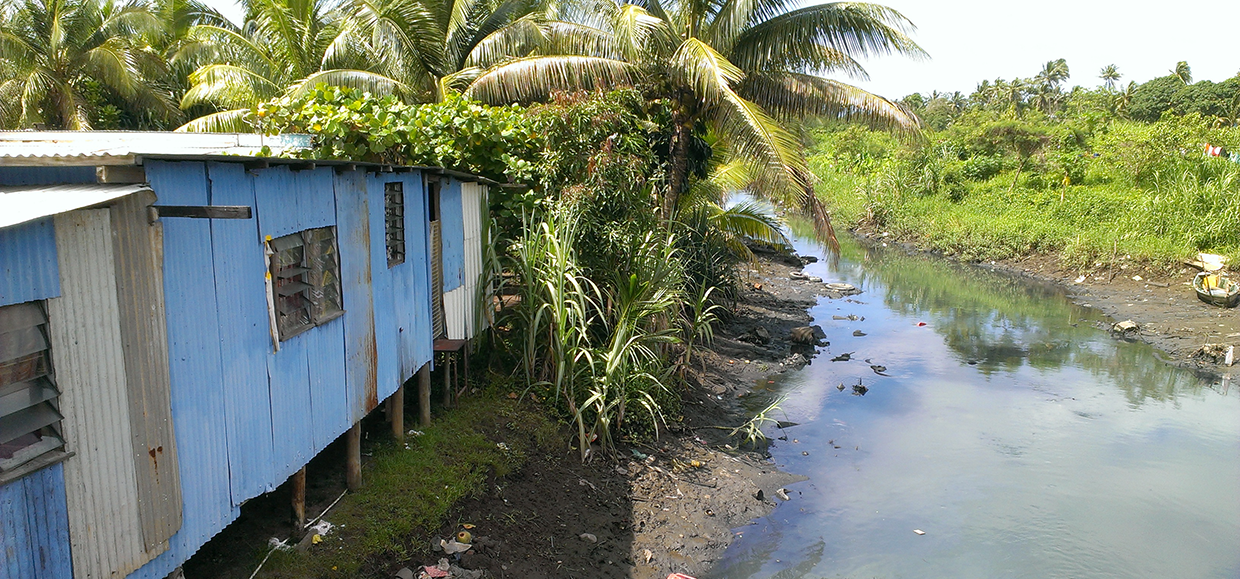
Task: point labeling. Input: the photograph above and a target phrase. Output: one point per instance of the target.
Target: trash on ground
(278, 545)
(1125, 328)
(782, 494)
(678, 576)
(404, 573)
(1217, 289)
(589, 538)
(1216, 354)
(1209, 262)
(453, 547)
(843, 288)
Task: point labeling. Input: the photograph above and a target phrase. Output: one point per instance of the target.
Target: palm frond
(228, 86)
(517, 39)
(853, 29)
(371, 82)
(791, 95)
(707, 73)
(535, 78)
(638, 33)
(233, 121)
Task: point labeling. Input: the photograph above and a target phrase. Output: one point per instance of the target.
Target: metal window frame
(308, 286)
(394, 222)
(29, 398)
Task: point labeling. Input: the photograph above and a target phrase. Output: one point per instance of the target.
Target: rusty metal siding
(28, 269)
(34, 527)
(198, 392)
(140, 299)
(436, 272)
(383, 281)
(84, 326)
(411, 283)
(354, 237)
(240, 294)
(417, 239)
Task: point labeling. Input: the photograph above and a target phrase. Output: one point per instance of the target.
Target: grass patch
(409, 492)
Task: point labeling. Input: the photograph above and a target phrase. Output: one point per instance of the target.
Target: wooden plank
(353, 460)
(120, 174)
(204, 211)
(397, 414)
(88, 355)
(140, 297)
(424, 395)
(382, 281)
(299, 500)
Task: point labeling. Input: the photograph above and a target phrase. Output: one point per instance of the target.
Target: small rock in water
(782, 494)
(860, 389)
(846, 356)
(858, 333)
(878, 368)
(841, 387)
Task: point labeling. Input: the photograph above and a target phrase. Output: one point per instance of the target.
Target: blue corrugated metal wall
(34, 527)
(453, 232)
(46, 175)
(240, 295)
(199, 397)
(28, 269)
(247, 417)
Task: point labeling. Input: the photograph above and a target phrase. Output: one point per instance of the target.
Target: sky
(972, 40)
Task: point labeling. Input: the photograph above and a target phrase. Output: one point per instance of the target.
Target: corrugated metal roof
(29, 202)
(125, 147)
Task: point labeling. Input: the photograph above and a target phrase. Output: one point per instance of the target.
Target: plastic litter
(919, 531)
(679, 576)
(782, 494)
(587, 537)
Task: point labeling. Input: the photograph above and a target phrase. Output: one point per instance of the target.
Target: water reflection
(1025, 441)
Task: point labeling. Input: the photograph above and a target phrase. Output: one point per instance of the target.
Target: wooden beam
(447, 379)
(299, 500)
(424, 395)
(353, 462)
(120, 174)
(204, 211)
(397, 414)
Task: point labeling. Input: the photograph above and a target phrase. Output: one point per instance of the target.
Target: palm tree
(1124, 98)
(1048, 91)
(53, 50)
(742, 69)
(1109, 75)
(1183, 72)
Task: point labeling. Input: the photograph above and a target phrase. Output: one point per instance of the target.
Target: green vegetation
(485, 436)
(1025, 167)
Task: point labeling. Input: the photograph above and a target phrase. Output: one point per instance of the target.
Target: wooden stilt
(424, 395)
(353, 464)
(447, 380)
(396, 413)
(299, 499)
(465, 350)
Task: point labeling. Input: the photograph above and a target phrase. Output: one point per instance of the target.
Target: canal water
(1020, 438)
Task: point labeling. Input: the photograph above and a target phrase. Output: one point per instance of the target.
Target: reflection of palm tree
(1183, 72)
(1109, 75)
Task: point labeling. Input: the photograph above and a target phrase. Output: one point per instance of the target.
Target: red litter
(433, 571)
(920, 324)
(678, 576)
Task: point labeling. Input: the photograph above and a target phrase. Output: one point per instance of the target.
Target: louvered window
(305, 280)
(394, 222)
(29, 413)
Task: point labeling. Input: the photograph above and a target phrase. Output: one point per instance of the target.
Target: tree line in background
(1096, 175)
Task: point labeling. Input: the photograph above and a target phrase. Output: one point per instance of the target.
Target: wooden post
(353, 467)
(447, 380)
(468, 344)
(397, 414)
(424, 395)
(299, 499)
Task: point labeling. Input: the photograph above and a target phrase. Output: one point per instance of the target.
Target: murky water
(1023, 441)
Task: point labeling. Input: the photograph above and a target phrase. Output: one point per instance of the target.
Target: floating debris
(846, 356)
(858, 333)
(782, 494)
(919, 531)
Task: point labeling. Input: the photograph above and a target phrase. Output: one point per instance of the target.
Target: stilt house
(184, 324)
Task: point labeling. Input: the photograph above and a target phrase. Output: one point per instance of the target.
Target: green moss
(408, 492)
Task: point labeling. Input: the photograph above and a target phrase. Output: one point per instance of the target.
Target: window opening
(29, 399)
(305, 280)
(394, 222)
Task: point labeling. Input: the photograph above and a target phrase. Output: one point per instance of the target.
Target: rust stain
(372, 377)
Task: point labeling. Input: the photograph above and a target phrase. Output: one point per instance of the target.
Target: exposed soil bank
(1162, 303)
(671, 505)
